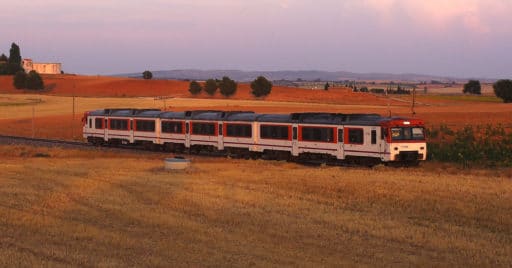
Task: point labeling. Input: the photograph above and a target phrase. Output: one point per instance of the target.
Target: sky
(458, 38)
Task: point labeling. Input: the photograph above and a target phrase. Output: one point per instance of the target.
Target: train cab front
(404, 140)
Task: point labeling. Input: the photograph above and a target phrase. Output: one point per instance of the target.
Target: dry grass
(87, 208)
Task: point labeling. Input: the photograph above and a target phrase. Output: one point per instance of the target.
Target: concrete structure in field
(41, 68)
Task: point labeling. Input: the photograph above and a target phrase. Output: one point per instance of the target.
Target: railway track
(13, 140)
(4, 139)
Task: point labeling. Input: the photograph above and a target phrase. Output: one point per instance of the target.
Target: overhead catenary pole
(413, 100)
(33, 117)
(73, 119)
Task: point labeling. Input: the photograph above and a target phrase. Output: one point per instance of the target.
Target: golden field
(96, 208)
(53, 107)
(66, 207)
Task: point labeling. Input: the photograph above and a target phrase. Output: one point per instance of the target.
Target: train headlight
(396, 148)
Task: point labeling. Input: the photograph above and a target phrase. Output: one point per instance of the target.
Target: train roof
(241, 116)
(121, 112)
(172, 115)
(275, 118)
(148, 113)
(250, 116)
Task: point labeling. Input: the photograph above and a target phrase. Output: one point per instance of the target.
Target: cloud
(475, 16)
(284, 4)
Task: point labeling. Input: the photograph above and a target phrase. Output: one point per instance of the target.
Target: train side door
(187, 134)
(220, 137)
(105, 128)
(295, 142)
(131, 129)
(341, 151)
(375, 143)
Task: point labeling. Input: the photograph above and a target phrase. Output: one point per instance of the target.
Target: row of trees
(227, 87)
(12, 64)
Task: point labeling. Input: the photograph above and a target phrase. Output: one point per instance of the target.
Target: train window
(131, 124)
(374, 136)
(407, 133)
(203, 129)
(90, 122)
(340, 135)
(274, 132)
(98, 123)
(220, 130)
(317, 134)
(119, 124)
(187, 128)
(355, 136)
(239, 130)
(294, 134)
(172, 127)
(145, 125)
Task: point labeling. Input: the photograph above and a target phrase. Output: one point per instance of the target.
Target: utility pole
(413, 100)
(73, 120)
(33, 117)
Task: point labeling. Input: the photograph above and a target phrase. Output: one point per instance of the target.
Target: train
(366, 139)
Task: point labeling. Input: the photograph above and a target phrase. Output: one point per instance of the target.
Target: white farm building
(42, 68)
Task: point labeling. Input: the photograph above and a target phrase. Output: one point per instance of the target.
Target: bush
(261, 86)
(147, 74)
(503, 90)
(19, 80)
(472, 87)
(195, 88)
(227, 86)
(377, 90)
(34, 81)
(488, 145)
(210, 86)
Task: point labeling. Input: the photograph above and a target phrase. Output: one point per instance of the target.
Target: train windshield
(407, 133)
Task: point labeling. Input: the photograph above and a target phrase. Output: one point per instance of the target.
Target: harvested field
(88, 209)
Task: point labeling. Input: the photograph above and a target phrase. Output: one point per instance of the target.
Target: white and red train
(359, 138)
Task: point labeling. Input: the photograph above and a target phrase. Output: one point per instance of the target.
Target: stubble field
(97, 208)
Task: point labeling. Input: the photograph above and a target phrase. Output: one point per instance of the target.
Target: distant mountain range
(245, 76)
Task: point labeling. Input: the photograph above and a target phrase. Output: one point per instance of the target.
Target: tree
(14, 61)
(326, 86)
(210, 86)
(19, 79)
(261, 86)
(14, 54)
(34, 81)
(3, 58)
(195, 88)
(472, 87)
(503, 90)
(147, 75)
(227, 86)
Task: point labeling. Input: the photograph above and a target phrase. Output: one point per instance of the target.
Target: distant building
(42, 68)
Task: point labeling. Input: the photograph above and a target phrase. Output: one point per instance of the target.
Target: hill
(310, 75)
